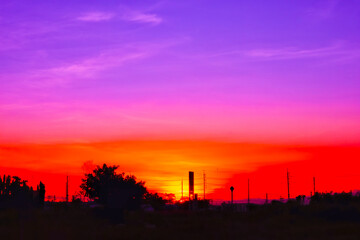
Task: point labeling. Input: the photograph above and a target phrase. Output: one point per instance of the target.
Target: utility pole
(67, 188)
(314, 185)
(266, 201)
(249, 191)
(288, 182)
(182, 189)
(204, 183)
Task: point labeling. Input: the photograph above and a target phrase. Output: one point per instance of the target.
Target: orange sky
(162, 164)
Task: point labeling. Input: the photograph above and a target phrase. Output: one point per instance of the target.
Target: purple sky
(249, 70)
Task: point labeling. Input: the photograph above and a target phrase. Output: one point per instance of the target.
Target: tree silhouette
(41, 189)
(15, 192)
(334, 198)
(155, 200)
(12, 187)
(107, 187)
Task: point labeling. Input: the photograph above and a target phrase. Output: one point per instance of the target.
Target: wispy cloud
(86, 68)
(292, 53)
(142, 17)
(285, 53)
(96, 16)
(91, 67)
(338, 53)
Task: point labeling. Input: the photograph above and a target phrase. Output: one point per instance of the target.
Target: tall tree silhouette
(107, 187)
(41, 189)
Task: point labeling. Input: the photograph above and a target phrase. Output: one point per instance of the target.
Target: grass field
(61, 222)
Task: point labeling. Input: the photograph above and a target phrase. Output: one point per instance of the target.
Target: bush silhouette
(111, 189)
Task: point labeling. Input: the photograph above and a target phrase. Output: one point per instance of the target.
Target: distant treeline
(14, 192)
(335, 198)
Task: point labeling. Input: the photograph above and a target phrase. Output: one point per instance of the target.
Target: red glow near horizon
(162, 165)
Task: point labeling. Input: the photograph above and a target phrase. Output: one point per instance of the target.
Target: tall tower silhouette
(191, 186)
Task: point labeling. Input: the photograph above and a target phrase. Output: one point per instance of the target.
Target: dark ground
(291, 222)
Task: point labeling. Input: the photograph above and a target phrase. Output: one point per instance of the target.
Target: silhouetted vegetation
(14, 192)
(114, 190)
(41, 191)
(334, 198)
(119, 197)
(156, 201)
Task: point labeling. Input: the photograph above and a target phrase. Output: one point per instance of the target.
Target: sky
(235, 90)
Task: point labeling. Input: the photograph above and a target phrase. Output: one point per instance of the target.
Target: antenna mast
(288, 182)
(249, 191)
(67, 188)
